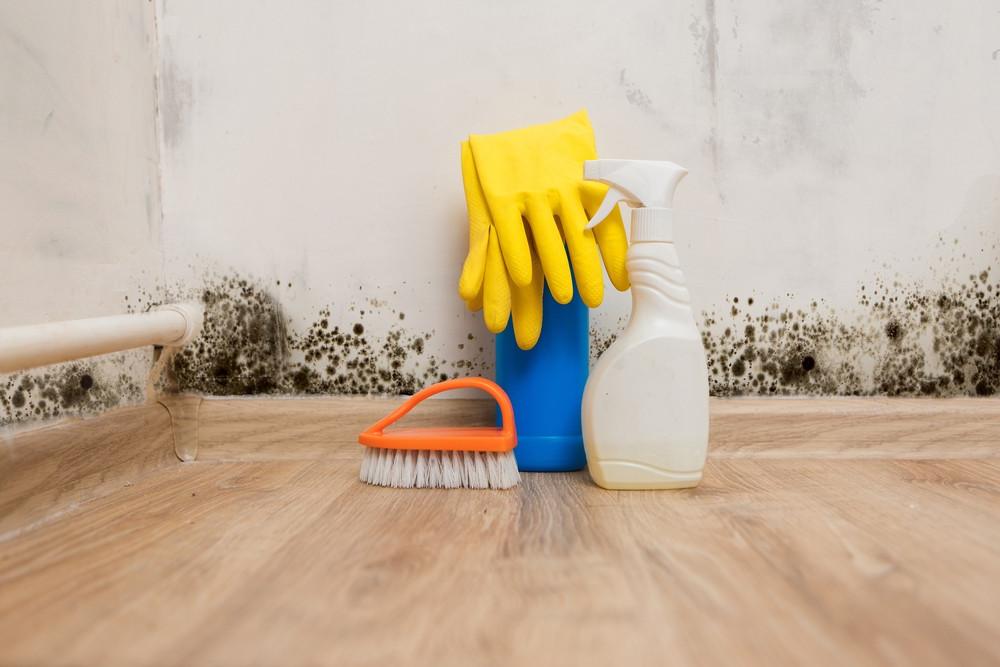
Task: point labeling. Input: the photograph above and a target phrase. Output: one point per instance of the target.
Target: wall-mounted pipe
(42, 344)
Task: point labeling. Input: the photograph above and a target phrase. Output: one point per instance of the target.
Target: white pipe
(41, 344)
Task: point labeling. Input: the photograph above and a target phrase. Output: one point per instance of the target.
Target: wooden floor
(841, 532)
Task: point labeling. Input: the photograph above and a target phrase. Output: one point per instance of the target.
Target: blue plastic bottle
(545, 384)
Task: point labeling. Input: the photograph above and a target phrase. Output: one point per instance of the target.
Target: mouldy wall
(74, 389)
(901, 340)
(249, 345)
(819, 160)
(79, 188)
(903, 337)
(939, 338)
(907, 340)
(823, 168)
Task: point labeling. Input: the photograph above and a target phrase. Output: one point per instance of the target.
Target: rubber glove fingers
(610, 234)
(526, 307)
(582, 247)
(548, 249)
(475, 304)
(613, 244)
(470, 283)
(496, 290)
(519, 165)
(522, 305)
(508, 224)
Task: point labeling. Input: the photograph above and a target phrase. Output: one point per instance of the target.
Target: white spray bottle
(645, 407)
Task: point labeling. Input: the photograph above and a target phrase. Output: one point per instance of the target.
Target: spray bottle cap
(647, 185)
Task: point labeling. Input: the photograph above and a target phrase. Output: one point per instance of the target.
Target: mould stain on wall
(903, 340)
(601, 338)
(910, 341)
(249, 346)
(72, 390)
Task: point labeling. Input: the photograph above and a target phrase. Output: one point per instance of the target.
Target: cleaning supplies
(533, 174)
(546, 384)
(645, 407)
(468, 457)
(516, 185)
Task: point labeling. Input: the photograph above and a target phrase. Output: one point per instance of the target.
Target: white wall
(830, 144)
(842, 154)
(79, 183)
(79, 195)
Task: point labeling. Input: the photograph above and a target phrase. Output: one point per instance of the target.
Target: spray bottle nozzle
(638, 183)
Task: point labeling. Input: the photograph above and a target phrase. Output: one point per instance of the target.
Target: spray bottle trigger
(613, 198)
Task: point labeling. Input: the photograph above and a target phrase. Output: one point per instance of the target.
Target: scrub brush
(451, 458)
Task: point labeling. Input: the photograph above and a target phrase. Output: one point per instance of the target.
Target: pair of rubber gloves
(528, 204)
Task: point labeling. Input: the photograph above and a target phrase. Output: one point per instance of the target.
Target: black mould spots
(600, 340)
(247, 347)
(908, 341)
(243, 348)
(892, 330)
(302, 379)
(73, 389)
(74, 393)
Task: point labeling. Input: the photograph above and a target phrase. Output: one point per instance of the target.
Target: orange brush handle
(449, 438)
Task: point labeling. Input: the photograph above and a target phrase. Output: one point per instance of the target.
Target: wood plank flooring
(825, 532)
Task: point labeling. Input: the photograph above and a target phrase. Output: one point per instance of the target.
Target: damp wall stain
(249, 346)
(75, 389)
(603, 338)
(175, 96)
(902, 340)
(635, 95)
(243, 347)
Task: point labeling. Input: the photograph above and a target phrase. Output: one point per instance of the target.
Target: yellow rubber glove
(535, 173)
(483, 283)
(494, 294)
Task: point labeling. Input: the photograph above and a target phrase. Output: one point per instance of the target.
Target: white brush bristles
(412, 469)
